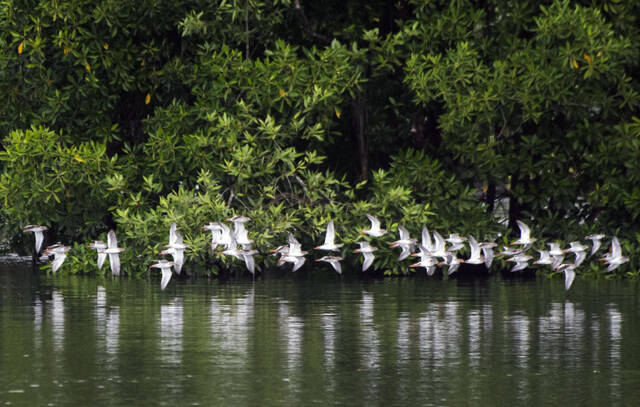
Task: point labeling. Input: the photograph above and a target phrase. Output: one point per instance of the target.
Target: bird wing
(580, 256)
(112, 241)
(596, 246)
(299, 262)
(178, 239)
(426, 239)
(475, 247)
(101, 257)
(166, 277)
(439, 245)
(114, 262)
(336, 266)
(405, 253)
(616, 250)
(292, 239)
(403, 232)
(250, 263)
(453, 268)
(430, 270)
(488, 257)
(375, 223)
(173, 230)
(330, 235)
(569, 276)
(178, 257)
(363, 245)
(39, 239)
(57, 261)
(368, 260)
(525, 232)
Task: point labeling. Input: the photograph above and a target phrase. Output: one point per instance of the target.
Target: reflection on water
(170, 332)
(272, 342)
(107, 320)
(56, 312)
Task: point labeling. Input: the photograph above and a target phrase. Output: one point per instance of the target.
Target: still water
(317, 339)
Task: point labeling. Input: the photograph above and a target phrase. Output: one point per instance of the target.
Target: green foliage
(46, 182)
(137, 115)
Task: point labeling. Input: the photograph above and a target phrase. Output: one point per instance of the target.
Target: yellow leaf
(282, 92)
(338, 112)
(147, 99)
(575, 64)
(20, 47)
(105, 46)
(599, 54)
(66, 51)
(587, 58)
(78, 158)
(87, 67)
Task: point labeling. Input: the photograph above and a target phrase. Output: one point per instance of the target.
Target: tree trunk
(357, 126)
(514, 204)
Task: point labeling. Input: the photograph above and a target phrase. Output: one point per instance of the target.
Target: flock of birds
(432, 252)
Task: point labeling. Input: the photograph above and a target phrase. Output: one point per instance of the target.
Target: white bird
(367, 252)
(38, 233)
(295, 248)
(426, 260)
(521, 260)
(334, 261)
(439, 249)
(247, 254)
(297, 261)
(423, 253)
(165, 268)
(176, 248)
(569, 274)
(238, 219)
(457, 242)
(579, 250)
(508, 251)
(595, 240)
(375, 230)
(556, 253)
(329, 240)
(239, 231)
(525, 236)
(475, 256)
(454, 264)
(232, 249)
(405, 243)
(615, 258)
(294, 254)
(114, 252)
(99, 246)
(59, 255)
(545, 258)
(426, 239)
(487, 253)
(220, 234)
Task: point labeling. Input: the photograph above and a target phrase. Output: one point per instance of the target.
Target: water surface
(317, 339)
